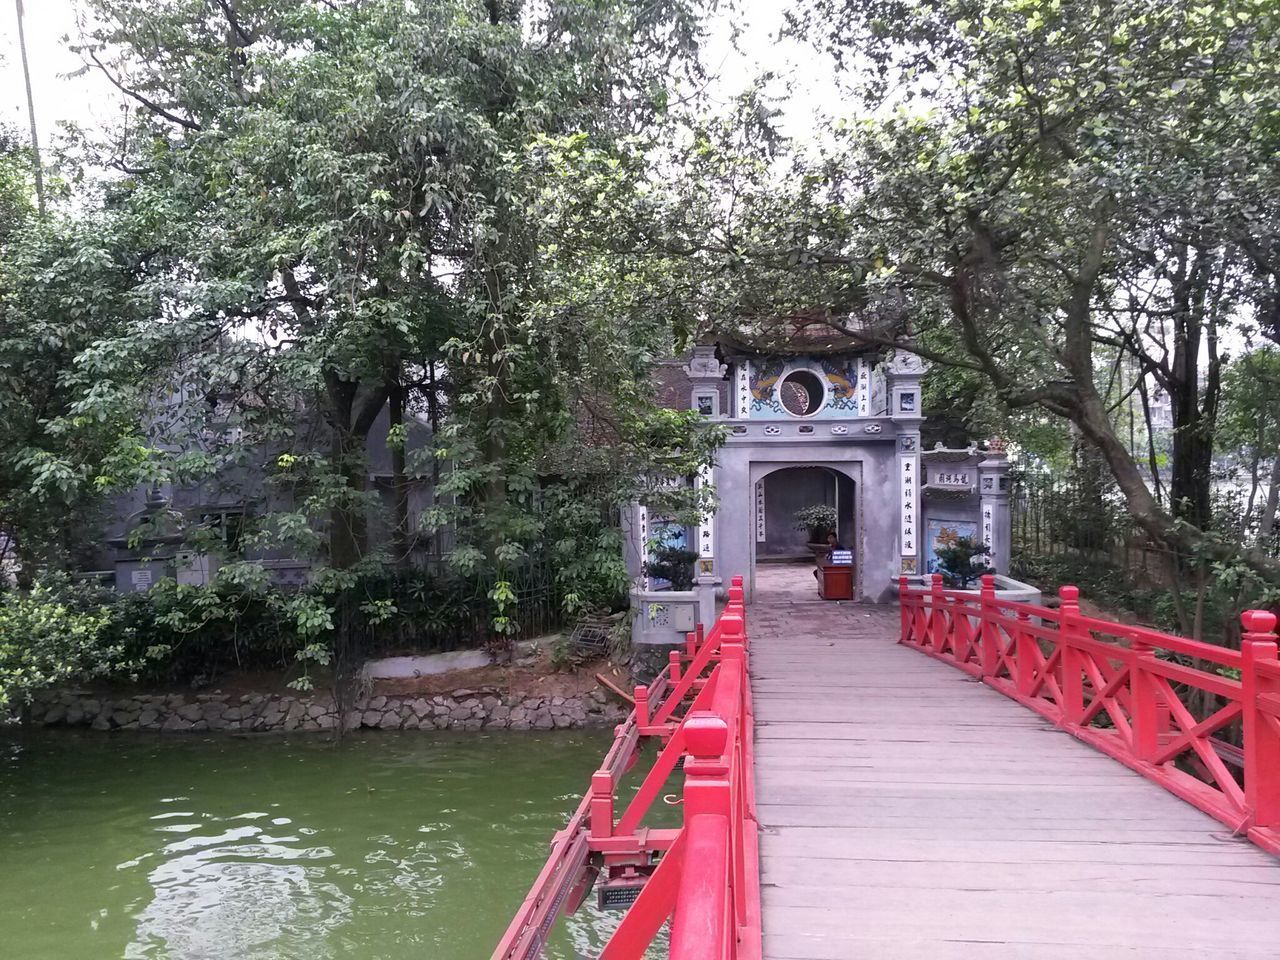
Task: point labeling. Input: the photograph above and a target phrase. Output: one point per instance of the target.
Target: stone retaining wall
(481, 709)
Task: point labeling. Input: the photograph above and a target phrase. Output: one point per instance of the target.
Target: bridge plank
(909, 812)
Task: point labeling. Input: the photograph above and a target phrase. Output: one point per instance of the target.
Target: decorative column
(903, 374)
(993, 488)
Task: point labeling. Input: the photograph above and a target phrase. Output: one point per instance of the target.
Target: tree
(1048, 184)
(69, 407)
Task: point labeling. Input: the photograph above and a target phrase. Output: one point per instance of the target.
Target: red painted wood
(1076, 670)
(707, 880)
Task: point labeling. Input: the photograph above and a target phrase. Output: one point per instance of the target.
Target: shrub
(817, 520)
(47, 639)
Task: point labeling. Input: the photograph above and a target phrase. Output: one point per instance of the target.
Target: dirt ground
(536, 680)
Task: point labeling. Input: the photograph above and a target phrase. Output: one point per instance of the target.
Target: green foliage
(960, 563)
(673, 564)
(817, 520)
(48, 638)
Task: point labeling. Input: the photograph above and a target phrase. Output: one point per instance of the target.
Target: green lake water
(381, 847)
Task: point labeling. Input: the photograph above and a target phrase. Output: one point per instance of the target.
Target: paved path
(910, 812)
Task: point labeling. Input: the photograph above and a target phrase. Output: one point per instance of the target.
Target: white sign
(744, 388)
(140, 580)
(988, 518)
(642, 521)
(760, 530)
(841, 558)
(959, 479)
(910, 467)
(864, 388)
(706, 529)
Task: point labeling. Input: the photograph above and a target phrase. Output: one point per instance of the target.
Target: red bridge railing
(703, 876)
(1201, 720)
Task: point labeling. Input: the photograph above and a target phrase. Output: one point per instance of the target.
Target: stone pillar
(902, 375)
(993, 486)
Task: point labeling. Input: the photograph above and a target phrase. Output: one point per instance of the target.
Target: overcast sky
(64, 92)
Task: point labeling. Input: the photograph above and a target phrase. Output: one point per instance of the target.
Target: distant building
(820, 420)
(149, 532)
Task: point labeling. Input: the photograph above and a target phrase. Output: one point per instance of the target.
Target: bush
(48, 638)
(674, 564)
(817, 520)
(959, 564)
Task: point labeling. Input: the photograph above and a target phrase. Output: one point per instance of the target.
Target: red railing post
(988, 632)
(904, 610)
(691, 641)
(1072, 656)
(642, 706)
(937, 635)
(1025, 650)
(1149, 718)
(1261, 736)
(673, 672)
(601, 822)
(698, 923)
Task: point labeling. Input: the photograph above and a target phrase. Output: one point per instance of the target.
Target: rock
(542, 720)
(191, 712)
(460, 713)
(390, 720)
(175, 724)
(370, 719)
(149, 718)
(411, 722)
(500, 712)
(121, 717)
(378, 703)
(519, 714)
(490, 704)
(557, 701)
(56, 714)
(102, 722)
(213, 710)
(351, 720)
(561, 722)
(316, 711)
(90, 708)
(473, 725)
(421, 707)
(519, 725)
(75, 716)
(495, 723)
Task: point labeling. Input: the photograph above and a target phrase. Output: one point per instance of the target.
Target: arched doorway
(778, 542)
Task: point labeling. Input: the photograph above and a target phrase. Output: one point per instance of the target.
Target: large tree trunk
(1266, 527)
(399, 479)
(354, 409)
(1091, 417)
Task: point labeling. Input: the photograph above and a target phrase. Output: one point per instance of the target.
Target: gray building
(822, 423)
(155, 531)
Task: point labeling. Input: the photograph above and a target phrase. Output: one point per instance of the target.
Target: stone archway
(779, 491)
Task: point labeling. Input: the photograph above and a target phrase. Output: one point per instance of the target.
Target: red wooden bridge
(1041, 785)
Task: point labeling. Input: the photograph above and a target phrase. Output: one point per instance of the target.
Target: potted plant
(959, 564)
(817, 520)
(673, 564)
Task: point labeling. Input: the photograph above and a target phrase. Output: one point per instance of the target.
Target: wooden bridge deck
(908, 811)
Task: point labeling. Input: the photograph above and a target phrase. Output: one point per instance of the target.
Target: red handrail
(1127, 691)
(704, 876)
